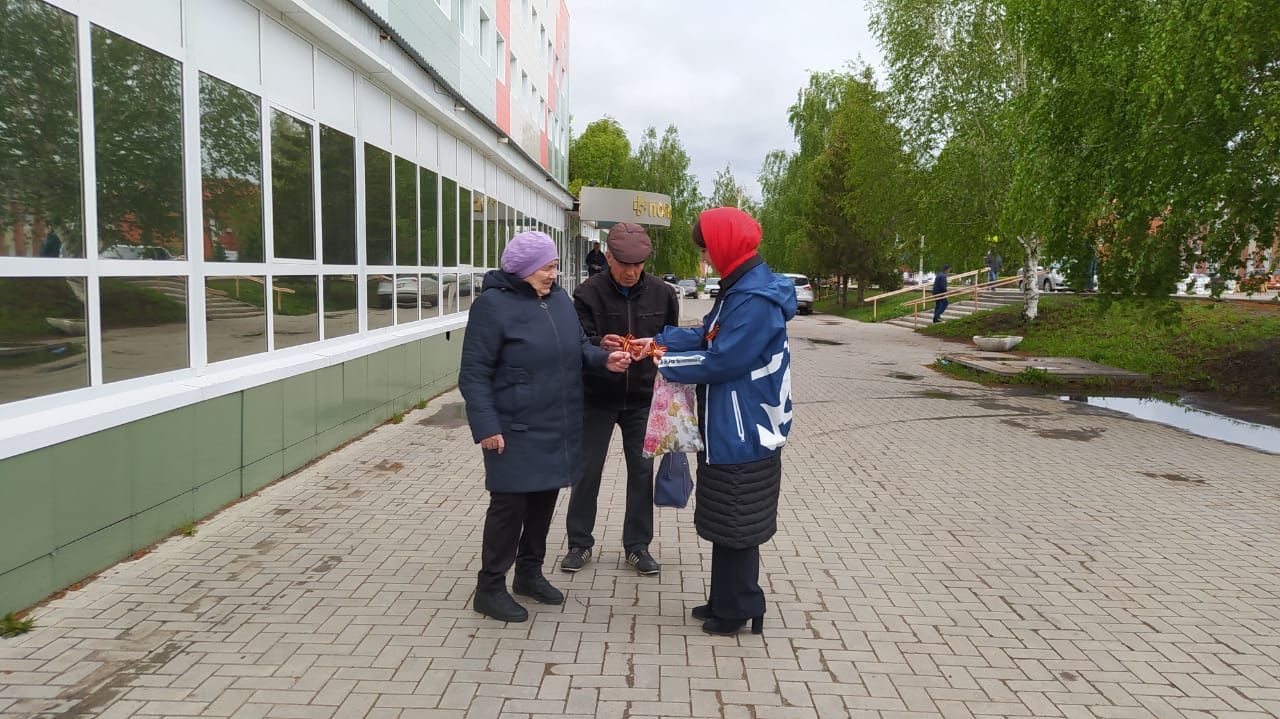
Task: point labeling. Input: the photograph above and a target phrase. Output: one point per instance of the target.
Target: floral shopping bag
(673, 420)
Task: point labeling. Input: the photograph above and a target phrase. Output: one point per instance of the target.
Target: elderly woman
(742, 368)
(521, 377)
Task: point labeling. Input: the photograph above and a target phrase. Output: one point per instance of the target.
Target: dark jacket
(940, 283)
(744, 392)
(596, 262)
(521, 377)
(603, 309)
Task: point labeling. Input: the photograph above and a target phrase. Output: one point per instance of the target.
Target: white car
(712, 286)
(804, 292)
(1050, 279)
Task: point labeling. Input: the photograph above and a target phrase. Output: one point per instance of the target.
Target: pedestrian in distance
(623, 301)
(740, 361)
(521, 378)
(940, 288)
(595, 260)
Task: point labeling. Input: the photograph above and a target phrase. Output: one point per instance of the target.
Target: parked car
(137, 252)
(688, 288)
(712, 286)
(1050, 278)
(804, 292)
(670, 277)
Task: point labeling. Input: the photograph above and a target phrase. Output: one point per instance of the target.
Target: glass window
(491, 232)
(380, 300)
(39, 133)
(449, 220)
(407, 299)
(464, 226)
(377, 205)
(137, 106)
(337, 197)
(144, 326)
(478, 238)
(430, 237)
(43, 348)
(296, 318)
(341, 314)
(406, 213)
(449, 294)
(235, 319)
(430, 295)
(292, 209)
(231, 172)
(468, 287)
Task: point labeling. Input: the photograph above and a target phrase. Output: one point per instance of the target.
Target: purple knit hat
(527, 253)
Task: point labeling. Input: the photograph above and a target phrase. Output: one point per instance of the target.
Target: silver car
(804, 292)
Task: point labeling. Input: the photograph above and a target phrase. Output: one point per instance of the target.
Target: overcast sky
(723, 72)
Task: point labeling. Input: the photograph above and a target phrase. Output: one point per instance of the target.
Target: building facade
(239, 233)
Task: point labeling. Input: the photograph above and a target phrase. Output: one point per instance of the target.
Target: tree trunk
(863, 284)
(1030, 280)
(844, 291)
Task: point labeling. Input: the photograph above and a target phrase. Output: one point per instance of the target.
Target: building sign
(598, 204)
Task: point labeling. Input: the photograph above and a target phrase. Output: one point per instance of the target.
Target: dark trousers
(735, 583)
(939, 306)
(597, 432)
(515, 530)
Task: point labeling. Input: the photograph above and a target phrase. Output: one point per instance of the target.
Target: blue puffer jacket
(743, 369)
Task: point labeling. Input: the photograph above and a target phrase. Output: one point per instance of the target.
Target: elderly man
(623, 301)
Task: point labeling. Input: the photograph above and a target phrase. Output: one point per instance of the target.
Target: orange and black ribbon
(638, 350)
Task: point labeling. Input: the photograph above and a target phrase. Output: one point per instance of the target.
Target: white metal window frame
(44, 420)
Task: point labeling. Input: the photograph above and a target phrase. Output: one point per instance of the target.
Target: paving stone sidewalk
(945, 550)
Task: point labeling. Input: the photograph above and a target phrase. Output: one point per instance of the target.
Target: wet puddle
(939, 394)
(820, 341)
(448, 416)
(1196, 421)
(904, 375)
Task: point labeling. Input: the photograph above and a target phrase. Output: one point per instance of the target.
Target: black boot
(538, 588)
(500, 605)
(702, 611)
(729, 627)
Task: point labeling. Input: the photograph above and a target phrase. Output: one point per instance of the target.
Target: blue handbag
(672, 485)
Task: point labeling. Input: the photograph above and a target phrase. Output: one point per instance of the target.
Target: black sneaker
(643, 562)
(537, 588)
(500, 605)
(576, 559)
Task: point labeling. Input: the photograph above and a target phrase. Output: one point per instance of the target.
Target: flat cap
(629, 243)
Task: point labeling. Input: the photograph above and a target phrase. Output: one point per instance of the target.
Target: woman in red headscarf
(741, 365)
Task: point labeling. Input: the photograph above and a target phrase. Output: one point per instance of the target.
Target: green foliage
(188, 529)
(397, 418)
(12, 626)
(600, 156)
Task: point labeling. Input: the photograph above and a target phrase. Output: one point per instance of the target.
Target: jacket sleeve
(679, 339)
(745, 330)
(585, 316)
(481, 345)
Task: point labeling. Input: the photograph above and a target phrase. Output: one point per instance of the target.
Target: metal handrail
(974, 290)
(924, 290)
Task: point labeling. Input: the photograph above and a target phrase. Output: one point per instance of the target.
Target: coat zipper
(737, 415)
(564, 415)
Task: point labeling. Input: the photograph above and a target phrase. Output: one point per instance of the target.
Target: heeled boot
(729, 627)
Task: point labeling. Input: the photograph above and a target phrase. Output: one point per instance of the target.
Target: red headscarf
(731, 236)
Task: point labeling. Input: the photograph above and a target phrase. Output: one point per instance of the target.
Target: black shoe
(500, 605)
(576, 559)
(537, 588)
(702, 611)
(643, 562)
(729, 627)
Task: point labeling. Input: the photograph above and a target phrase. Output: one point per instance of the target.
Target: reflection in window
(377, 205)
(504, 230)
(144, 326)
(235, 320)
(296, 320)
(449, 220)
(408, 297)
(427, 217)
(430, 295)
(464, 226)
(468, 286)
(341, 316)
(292, 209)
(478, 238)
(491, 232)
(380, 298)
(406, 213)
(137, 110)
(231, 172)
(39, 133)
(43, 348)
(338, 196)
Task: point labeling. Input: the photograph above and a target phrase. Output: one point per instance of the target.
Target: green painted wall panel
(160, 451)
(395, 371)
(299, 454)
(330, 409)
(413, 366)
(27, 584)
(261, 473)
(299, 408)
(263, 422)
(92, 484)
(214, 495)
(377, 379)
(26, 508)
(92, 554)
(159, 522)
(355, 387)
(217, 437)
